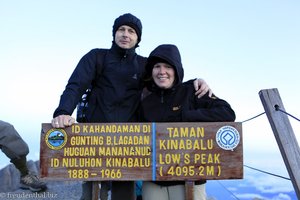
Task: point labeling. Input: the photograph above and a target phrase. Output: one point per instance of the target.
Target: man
(15, 148)
(116, 76)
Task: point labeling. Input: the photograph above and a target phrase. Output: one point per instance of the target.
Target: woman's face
(163, 75)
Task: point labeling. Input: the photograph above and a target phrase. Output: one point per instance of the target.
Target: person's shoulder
(188, 84)
(142, 59)
(97, 50)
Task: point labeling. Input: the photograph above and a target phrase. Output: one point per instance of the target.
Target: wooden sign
(142, 151)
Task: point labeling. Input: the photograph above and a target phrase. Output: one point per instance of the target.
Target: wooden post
(189, 190)
(95, 190)
(284, 134)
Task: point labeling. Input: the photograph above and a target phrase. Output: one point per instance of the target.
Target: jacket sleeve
(79, 81)
(208, 109)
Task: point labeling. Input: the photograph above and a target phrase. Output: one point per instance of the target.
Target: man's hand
(62, 121)
(202, 88)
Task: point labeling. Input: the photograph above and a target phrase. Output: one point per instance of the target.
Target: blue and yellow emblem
(228, 138)
(56, 138)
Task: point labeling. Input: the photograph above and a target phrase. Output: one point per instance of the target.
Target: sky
(238, 47)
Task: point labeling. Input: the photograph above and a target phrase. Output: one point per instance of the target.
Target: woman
(165, 74)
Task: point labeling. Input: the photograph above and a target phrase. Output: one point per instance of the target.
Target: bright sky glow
(238, 47)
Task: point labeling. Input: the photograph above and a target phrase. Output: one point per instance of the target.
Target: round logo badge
(56, 138)
(228, 138)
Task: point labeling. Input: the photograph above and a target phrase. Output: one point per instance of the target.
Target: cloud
(250, 196)
(281, 197)
(232, 189)
(257, 185)
(259, 196)
(269, 184)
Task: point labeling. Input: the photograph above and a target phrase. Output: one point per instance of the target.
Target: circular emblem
(228, 138)
(56, 138)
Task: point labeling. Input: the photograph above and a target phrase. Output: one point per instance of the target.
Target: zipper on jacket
(162, 96)
(125, 54)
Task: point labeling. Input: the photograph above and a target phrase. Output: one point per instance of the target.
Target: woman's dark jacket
(179, 104)
(117, 83)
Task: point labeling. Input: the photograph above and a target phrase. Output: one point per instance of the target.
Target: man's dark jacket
(116, 79)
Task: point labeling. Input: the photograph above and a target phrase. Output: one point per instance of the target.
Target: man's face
(126, 37)
(163, 75)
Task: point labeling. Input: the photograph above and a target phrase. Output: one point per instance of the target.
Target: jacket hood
(168, 53)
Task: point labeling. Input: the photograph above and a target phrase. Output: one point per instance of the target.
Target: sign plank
(142, 151)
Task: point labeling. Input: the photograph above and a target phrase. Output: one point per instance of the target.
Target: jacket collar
(122, 52)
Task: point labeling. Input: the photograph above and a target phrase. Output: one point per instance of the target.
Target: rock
(10, 182)
(9, 178)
